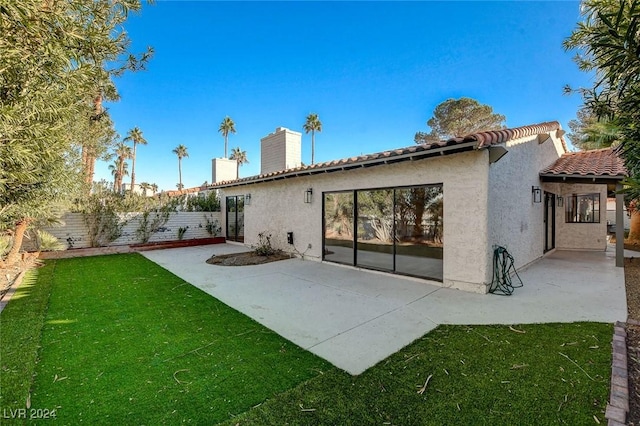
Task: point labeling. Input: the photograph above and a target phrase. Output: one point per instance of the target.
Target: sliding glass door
(375, 247)
(338, 230)
(235, 218)
(396, 229)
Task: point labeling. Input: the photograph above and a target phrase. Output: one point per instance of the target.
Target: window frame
(572, 214)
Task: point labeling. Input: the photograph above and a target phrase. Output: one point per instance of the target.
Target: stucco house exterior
(435, 211)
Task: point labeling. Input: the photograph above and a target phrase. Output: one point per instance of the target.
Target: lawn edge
(618, 406)
(6, 298)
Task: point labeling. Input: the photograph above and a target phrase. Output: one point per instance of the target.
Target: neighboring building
(434, 211)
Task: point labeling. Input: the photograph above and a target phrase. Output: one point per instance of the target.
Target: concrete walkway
(354, 319)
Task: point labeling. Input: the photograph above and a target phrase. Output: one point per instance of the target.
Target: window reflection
(375, 229)
(338, 232)
(397, 229)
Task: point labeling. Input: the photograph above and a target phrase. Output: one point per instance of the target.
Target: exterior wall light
(308, 195)
(247, 199)
(537, 194)
(560, 201)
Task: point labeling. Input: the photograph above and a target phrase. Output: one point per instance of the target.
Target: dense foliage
(57, 66)
(460, 117)
(607, 42)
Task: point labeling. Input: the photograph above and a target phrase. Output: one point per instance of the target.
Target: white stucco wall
(580, 236)
(515, 221)
(278, 207)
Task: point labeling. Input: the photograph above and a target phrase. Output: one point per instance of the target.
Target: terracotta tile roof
(595, 163)
(477, 140)
(495, 137)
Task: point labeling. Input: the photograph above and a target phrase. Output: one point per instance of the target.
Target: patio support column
(619, 226)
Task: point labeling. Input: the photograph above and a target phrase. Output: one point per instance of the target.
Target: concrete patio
(355, 318)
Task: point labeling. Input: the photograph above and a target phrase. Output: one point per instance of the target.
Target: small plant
(264, 247)
(47, 242)
(213, 226)
(181, 232)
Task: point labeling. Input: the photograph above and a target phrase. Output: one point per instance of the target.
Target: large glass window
(419, 228)
(338, 227)
(583, 208)
(375, 229)
(397, 229)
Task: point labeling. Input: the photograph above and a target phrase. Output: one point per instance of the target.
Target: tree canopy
(241, 158)
(58, 62)
(460, 117)
(607, 42)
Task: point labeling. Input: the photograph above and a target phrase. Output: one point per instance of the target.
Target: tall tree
(58, 59)
(241, 158)
(607, 41)
(460, 117)
(135, 135)
(181, 152)
(313, 125)
(145, 186)
(227, 126)
(119, 170)
(591, 132)
(123, 153)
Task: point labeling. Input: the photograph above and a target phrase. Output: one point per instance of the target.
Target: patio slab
(355, 318)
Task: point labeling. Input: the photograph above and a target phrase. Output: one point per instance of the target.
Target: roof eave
(576, 178)
(412, 156)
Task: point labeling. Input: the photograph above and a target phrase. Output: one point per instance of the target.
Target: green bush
(47, 242)
(208, 202)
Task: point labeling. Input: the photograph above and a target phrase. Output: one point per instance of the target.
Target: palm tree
(241, 158)
(313, 125)
(135, 135)
(123, 153)
(227, 126)
(118, 171)
(145, 186)
(154, 188)
(181, 152)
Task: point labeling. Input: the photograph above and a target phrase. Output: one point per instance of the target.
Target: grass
(124, 339)
(491, 375)
(118, 339)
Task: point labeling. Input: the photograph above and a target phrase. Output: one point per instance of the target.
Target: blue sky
(372, 71)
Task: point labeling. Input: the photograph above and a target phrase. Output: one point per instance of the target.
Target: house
(435, 211)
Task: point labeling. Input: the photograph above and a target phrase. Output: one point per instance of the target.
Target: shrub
(264, 247)
(213, 226)
(47, 242)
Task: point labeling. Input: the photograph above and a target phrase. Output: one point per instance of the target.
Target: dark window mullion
(355, 228)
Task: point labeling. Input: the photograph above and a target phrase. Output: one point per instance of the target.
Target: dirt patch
(632, 283)
(9, 274)
(246, 258)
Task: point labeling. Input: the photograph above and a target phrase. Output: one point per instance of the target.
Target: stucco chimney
(280, 150)
(223, 169)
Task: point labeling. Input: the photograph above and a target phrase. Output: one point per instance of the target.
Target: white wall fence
(74, 232)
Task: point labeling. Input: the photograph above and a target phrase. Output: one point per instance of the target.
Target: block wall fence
(74, 234)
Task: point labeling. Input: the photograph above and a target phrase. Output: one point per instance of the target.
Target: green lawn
(491, 375)
(119, 339)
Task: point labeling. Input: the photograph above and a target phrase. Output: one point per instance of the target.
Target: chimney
(280, 150)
